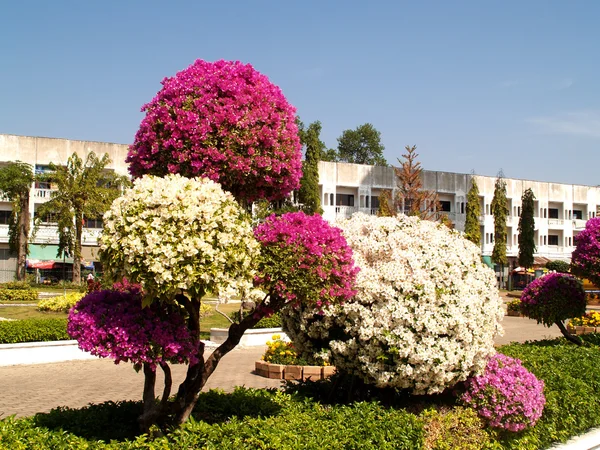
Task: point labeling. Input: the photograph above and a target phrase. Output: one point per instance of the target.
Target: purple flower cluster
(225, 121)
(552, 298)
(585, 260)
(304, 259)
(507, 395)
(113, 324)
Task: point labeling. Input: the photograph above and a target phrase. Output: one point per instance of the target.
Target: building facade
(561, 210)
(39, 152)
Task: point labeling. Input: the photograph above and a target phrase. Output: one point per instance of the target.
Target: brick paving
(28, 389)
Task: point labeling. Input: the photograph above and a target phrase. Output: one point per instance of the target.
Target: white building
(561, 210)
(39, 152)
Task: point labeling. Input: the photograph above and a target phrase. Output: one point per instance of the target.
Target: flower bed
(290, 372)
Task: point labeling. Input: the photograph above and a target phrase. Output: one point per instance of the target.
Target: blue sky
(481, 86)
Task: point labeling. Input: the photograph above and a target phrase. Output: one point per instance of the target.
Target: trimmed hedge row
(33, 330)
(21, 295)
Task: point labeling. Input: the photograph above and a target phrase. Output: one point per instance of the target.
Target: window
(552, 239)
(445, 206)
(5, 217)
(374, 202)
(331, 199)
(552, 213)
(578, 214)
(4, 254)
(344, 200)
(92, 223)
(462, 207)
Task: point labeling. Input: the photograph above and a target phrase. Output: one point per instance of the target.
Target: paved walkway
(28, 389)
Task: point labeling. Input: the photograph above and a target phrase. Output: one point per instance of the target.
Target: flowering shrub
(280, 351)
(304, 259)
(514, 305)
(590, 319)
(225, 121)
(506, 395)
(113, 324)
(60, 303)
(553, 298)
(425, 313)
(176, 234)
(585, 260)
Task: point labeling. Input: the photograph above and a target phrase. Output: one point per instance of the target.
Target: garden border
(292, 372)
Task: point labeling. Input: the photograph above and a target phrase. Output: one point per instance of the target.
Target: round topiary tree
(558, 266)
(225, 121)
(553, 298)
(585, 260)
(506, 395)
(425, 314)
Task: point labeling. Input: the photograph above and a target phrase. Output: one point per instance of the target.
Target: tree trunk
(568, 336)
(198, 374)
(23, 239)
(77, 249)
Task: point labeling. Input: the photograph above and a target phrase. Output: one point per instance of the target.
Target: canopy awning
(44, 257)
(487, 260)
(37, 264)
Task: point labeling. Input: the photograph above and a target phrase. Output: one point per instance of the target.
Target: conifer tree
(500, 212)
(385, 202)
(411, 198)
(527, 230)
(473, 210)
(308, 194)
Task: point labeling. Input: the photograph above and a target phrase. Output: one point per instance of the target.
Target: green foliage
(330, 154)
(527, 230)
(16, 179)
(309, 195)
(458, 428)
(18, 295)
(84, 189)
(33, 330)
(385, 204)
(572, 390)
(16, 285)
(558, 266)
(60, 303)
(361, 146)
(473, 210)
(244, 419)
(266, 322)
(500, 212)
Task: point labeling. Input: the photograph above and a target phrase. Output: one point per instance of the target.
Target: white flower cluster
(177, 234)
(425, 315)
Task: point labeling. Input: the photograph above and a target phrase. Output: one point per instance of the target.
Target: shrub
(590, 319)
(514, 305)
(224, 121)
(553, 298)
(33, 330)
(558, 266)
(454, 429)
(18, 295)
(585, 259)
(425, 314)
(16, 285)
(266, 322)
(60, 303)
(280, 351)
(506, 395)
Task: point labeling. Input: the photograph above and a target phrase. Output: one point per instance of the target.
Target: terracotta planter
(579, 330)
(514, 313)
(327, 371)
(293, 372)
(276, 371)
(587, 330)
(262, 368)
(312, 373)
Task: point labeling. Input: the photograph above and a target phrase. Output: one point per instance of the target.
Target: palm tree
(84, 189)
(16, 179)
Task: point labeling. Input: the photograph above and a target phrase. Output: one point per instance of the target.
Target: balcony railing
(43, 194)
(556, 222)
(579, 224)
(345, 211)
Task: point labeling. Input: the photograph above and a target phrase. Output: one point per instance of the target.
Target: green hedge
(16, 285)
(33, 330)
(22, 295)
(266, 322)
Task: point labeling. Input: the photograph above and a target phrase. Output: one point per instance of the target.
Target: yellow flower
(282, 353)
(276, 336)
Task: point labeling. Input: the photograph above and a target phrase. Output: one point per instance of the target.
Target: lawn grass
(27, 312)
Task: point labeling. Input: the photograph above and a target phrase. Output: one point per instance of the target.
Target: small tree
(558, 266)
(84, 189)
(308, 194)
(585, 260)
(553, 298)
(527, 230)
(15, 183)
(411, 198)
(361, 146)
(385, 204)
(473, 210)
(330, 155)
(500, 212)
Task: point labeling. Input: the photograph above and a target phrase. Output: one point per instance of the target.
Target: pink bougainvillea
(585, 260)
(225, 121)
(304, 259)
(113, 324)
(507, 395)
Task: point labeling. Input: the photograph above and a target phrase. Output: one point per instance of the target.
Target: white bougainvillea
(176, 234)
(425, 314)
